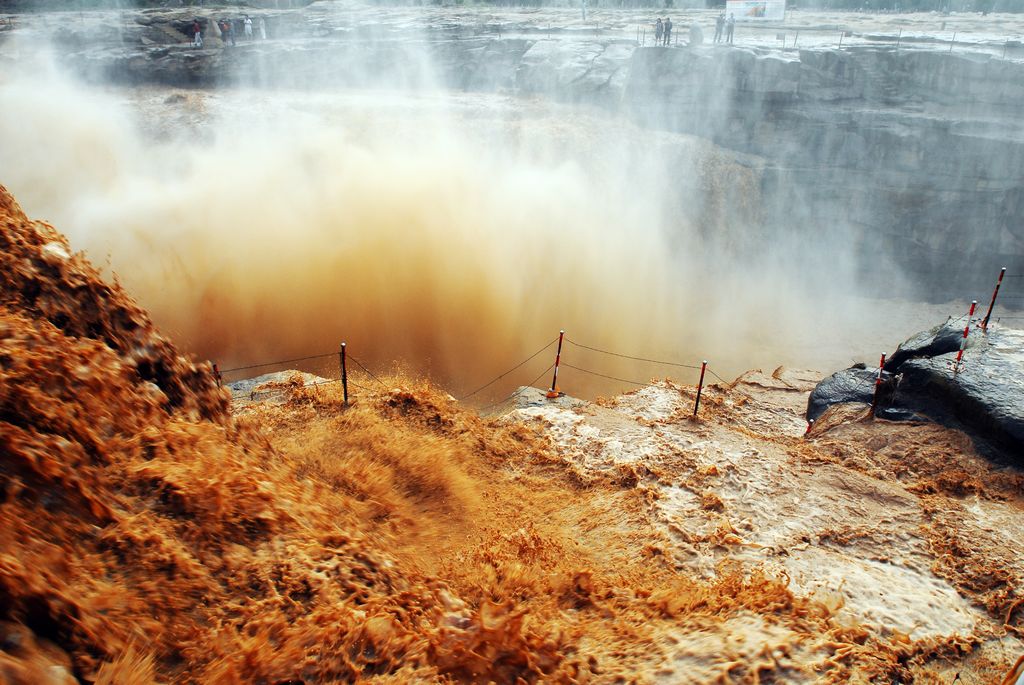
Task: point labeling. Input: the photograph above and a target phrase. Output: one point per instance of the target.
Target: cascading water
(453, 232)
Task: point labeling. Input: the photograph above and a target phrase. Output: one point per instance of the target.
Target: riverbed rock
(942, 339)
(983, 396)
(855, 384)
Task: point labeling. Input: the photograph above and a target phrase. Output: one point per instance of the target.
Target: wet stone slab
(984, 395)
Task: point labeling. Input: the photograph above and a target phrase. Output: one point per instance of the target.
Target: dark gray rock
(855, 384)
(984, 398)
(917, 154)
(943, 339)
(578, 71)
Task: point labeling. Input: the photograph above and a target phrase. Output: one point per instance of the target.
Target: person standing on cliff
(227, 32)
(719, 25)
(730, 26)
(197, 34)
(668, 31)
(659, 30)
(248, 27)
(261, 24)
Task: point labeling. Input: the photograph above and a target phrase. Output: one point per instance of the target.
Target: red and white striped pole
(553, 392)
(995, 294)
(878, 384)
(963, 342)
(700, 385)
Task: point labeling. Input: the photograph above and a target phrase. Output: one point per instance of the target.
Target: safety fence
(321, 366)
(332, 368)
(336, 364)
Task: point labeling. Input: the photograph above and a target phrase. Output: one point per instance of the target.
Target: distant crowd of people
(226, 29)
(724, 30)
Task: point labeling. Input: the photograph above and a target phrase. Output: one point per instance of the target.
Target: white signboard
(759, 10)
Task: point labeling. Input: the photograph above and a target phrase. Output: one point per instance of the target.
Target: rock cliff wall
(919, 152)
(914, 155)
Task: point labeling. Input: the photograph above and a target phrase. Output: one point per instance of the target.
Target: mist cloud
(456, 234)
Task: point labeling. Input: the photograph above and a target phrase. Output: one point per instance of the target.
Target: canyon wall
(914, 155)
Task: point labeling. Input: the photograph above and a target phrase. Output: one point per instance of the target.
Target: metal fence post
(878, 385)
(995, 293)
(344, 374)
(700, 386)
(963, 341)
(553, 392)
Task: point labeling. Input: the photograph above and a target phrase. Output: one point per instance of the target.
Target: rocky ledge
(984, 397)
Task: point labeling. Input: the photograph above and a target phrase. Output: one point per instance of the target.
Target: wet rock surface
(855, 384)
(855, 513)
(942, 339)
(984, 397)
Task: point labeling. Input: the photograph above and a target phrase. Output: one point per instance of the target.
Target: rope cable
(495, 380)
(283, 361)
(626, 356)
(595, 373)
(368, 372)
(516, 392)
(712, 371)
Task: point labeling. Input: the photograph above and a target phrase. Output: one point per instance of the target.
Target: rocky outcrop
(985, 397)
(593, 72)
(40, 273)
(855, 384)
(918, 154)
